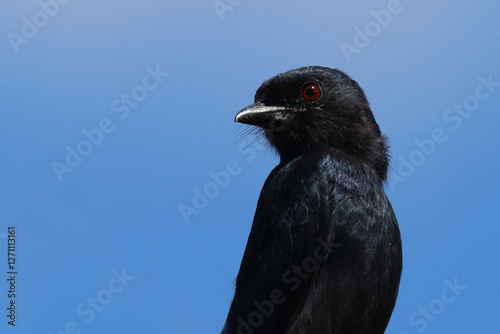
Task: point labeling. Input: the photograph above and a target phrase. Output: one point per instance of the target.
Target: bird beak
(261, 115)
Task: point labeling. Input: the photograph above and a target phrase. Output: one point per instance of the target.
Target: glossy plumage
(324, 252)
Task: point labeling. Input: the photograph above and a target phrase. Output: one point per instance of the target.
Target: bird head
(314, 107)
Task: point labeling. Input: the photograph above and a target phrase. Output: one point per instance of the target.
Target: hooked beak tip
(257, 114)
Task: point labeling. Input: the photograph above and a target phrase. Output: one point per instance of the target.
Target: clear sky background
(116, 115)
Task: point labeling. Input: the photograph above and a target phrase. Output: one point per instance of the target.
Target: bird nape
(324, 251)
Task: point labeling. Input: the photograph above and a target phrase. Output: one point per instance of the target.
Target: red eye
(311, 92)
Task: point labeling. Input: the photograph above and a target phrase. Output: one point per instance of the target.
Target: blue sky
(115, 116)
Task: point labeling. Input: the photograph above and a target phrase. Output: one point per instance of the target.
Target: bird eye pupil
(311, 92)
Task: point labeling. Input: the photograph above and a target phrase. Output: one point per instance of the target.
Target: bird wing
(292, 235)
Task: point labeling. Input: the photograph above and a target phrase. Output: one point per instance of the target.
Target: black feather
(324, 252)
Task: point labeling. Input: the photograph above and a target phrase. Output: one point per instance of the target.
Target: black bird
(324, 252)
